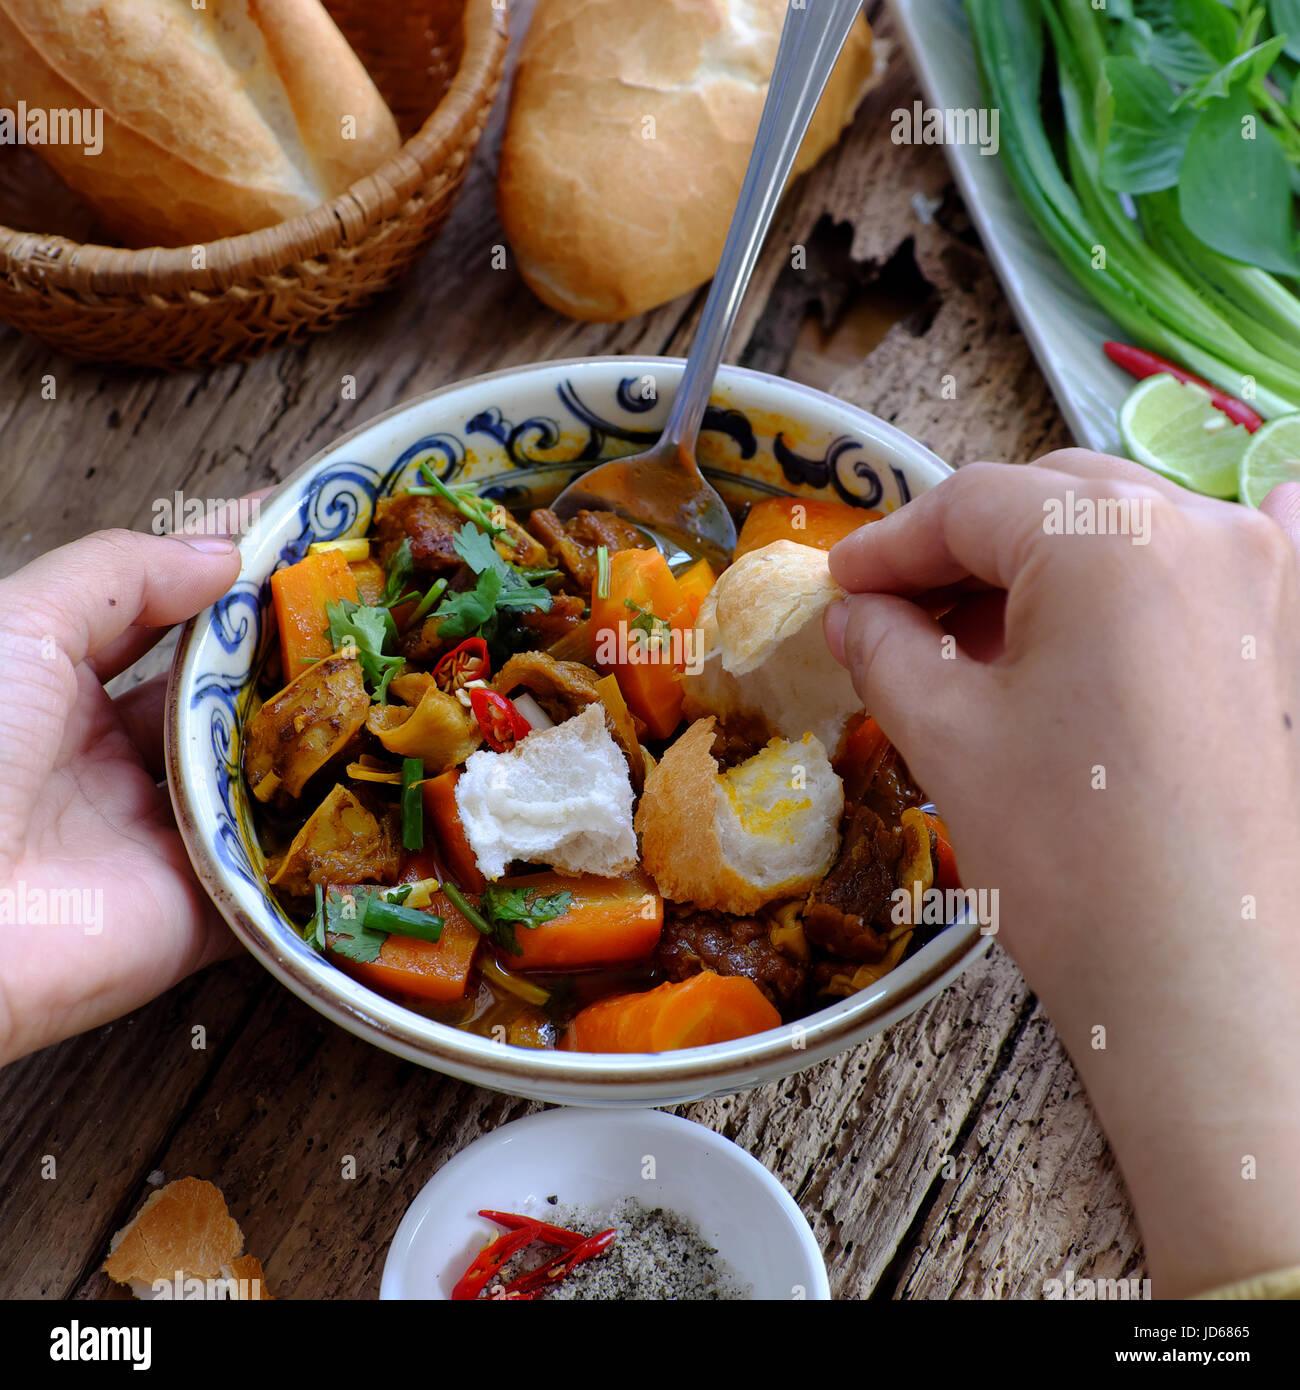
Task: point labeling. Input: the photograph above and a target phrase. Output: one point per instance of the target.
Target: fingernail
(207, 545)
(837, 616)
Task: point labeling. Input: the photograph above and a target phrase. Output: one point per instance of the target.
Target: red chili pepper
(1140, 363)
(546, 1275)
(465, 663)
(554, 1235)
(489, 1261)
(502, 724)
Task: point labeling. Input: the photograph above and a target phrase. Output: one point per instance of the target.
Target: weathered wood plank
(1032, 1193)
(99, 1107)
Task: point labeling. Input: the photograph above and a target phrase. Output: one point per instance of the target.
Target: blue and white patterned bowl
(520, 434)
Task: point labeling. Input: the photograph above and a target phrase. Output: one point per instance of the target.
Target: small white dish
(591, 1159)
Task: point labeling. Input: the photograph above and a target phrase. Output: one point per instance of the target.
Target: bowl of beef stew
(411, 777)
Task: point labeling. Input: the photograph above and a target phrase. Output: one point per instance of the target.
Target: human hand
(1112, 740)
(87, 841)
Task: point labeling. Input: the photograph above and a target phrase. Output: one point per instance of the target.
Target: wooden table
(953, 1156)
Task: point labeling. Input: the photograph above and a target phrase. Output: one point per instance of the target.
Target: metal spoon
(663, 489)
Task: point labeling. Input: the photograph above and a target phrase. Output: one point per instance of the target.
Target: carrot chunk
(435, 970)
(440, 806)
(608, 921)
(807, 520)
(707, 1008)
(300, 594)
(644, 601)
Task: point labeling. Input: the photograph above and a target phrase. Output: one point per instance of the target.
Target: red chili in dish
(465, 663)
(547, 1275)
(502, 724)
(522, 1231)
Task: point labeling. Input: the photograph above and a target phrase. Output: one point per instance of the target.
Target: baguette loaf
(216, 120)
(765, 662)
(629, 130)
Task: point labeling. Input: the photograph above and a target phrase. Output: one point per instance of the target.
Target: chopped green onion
(466, 909)
(426, 603)
(602, 571)
(412, 804)
(400, 921)
(466, 503)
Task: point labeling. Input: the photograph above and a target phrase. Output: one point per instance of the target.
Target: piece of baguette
(184, 1229)
(216, 120)
(763, 830)
(561, 797)
(765, 663)
(629, 130)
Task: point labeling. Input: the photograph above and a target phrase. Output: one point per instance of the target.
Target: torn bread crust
(738, 841)
(184, 1237)
(765, 660)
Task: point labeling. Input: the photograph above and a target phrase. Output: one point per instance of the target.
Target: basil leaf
(1234, 187)
(1143, 141)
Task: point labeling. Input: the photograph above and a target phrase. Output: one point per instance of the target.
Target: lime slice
(1271, 457)
(1177, 430)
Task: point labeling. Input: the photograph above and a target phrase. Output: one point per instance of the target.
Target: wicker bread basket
(438, 64)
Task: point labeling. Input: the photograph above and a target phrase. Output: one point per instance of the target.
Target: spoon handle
(814, 33)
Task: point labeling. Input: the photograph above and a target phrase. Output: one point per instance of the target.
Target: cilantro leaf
(500, 588)
(504, 908)
(476, 549)
(344, 927)
(367, 630)
(460, 614)
(357, 923)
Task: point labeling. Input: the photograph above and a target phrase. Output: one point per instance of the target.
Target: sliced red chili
(558, 1267)
(465, 663)
(489, 1261)
(1140, 363)
(554, 1235)
(501, 723)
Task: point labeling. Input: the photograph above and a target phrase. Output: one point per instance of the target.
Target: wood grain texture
(954, 1156)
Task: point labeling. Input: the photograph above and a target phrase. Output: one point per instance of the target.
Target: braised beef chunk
(562, 688)
(574, 543)
(695, 940)
(856, 893)
(564, 614)
(891, 789)
(427, 523)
